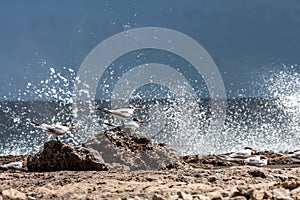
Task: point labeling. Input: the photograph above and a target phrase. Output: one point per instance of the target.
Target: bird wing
(56, 129)
(240, 154)
(123, 113)
(132, 125)
(104, 110)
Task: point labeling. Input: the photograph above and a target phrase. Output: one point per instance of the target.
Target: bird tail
(104, 110)
(35, 123)
(108, 124)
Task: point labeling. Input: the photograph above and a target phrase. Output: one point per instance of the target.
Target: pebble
(216, 195)
(238, 198)
(184, 196)
(157, 197)
(258, 194)
(257, 173)
(281, 194)
(13, 194)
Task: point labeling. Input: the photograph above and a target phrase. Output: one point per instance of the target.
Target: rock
(132, 150)
(277, 159)
(282, 194)
(13, 194)
(200, 197)
(238, 198)
(295, 193)
(200, 160)
(291, 184)
(59, 156)
(184, 196)
(258, 195)
(242, 191)
(158, 197)
(211, 179)
(257, 173)
(216, 195)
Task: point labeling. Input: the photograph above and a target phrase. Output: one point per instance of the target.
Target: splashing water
(284, 86)
(267, 123)
(51, 104)
(182, 121)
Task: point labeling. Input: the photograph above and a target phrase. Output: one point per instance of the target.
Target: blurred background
(248, 40)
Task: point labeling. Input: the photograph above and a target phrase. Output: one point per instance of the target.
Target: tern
(257, 160)
(121, 113)
(54, 129)
(294, 154)
(245, 153)
(132, 125)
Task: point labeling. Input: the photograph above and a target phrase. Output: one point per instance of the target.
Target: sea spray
(45, 101)
(270, 122)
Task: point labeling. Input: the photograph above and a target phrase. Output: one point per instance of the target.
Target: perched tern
(245, 153)
(54, 129)
(13, 165)
(121, 113)
(132, 125)
(257, 160)
(294, 154)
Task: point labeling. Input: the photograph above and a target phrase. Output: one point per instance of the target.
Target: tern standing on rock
(54, 129)
(121, 113)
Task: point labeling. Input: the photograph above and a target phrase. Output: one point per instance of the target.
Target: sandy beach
(194, 180)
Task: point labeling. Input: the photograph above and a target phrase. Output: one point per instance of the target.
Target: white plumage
(53, 129)
(121, 113)
(257, 160)
(245, 153)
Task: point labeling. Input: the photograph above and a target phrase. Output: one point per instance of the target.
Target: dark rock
(59, 156)
(243, 191)
(257, 173)
(132, 150)
(278, 159)
(212, 179)
(200, 160)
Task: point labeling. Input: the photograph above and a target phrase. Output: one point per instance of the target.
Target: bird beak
(73, 127)
(254, 151)
(137, 109)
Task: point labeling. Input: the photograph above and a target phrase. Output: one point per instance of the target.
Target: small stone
(13, 194)
(295, 193)
(257, 173)
(258, 194)
(281, 193)
(212, 179)
(296, 190)
(137, 198)
(290, 184)
(239, 198)
(157, 197)
(242, 191)
(184, 196)
(200, 197)
(216, 195)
